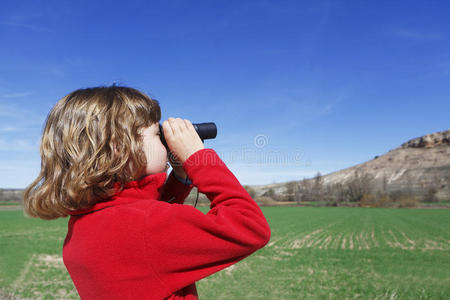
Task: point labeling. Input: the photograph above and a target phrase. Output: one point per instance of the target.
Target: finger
(191, 128)
(167, 128)
(188, 124)
(175, 124)
(181, 124)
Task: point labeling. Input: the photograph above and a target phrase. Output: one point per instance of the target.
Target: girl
(129, 234)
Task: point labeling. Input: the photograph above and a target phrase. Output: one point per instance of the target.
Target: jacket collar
(146, 188)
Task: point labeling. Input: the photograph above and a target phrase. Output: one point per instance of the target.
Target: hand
(182, 139)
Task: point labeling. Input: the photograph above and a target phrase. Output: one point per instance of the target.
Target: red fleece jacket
(137, 245)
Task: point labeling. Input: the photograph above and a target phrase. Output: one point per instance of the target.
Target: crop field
(314, 253)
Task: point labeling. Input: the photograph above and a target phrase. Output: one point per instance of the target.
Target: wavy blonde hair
(91, 140)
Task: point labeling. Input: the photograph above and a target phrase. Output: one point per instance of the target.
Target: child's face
(154, 150)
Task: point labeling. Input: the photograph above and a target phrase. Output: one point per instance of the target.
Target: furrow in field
(335, 244)
(372, 237)
(20, 281)
(350, 239)
(304, 241)
(317, 240)
(434, 245)
(364, 240)
(344, 243)
(412, 244)
(326, 242)
(36, 278)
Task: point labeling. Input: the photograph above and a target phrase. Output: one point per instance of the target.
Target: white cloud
(254, 176)
(15, 95)
(18, 174)
(298, 109)
(20, 145)
(24, 21)
(255, 172)
(417, 35)
(13, 116)
(9, 129)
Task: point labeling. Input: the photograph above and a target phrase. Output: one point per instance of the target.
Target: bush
(407, 201)
(369, 200)
(265, 201)
(430, 196)
(332, 203)
(385, 201)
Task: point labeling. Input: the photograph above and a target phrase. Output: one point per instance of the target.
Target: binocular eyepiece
(204, 130)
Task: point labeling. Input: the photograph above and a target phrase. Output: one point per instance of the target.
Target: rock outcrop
(429, 140)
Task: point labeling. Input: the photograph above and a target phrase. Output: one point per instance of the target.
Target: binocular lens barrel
(205, 131)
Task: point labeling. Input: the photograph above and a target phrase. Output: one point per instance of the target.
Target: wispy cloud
(20, 145)
(9, 129)
(16, 119)
(248, 175)
(14, 95)
(298, 111)
(18, 174)
(416, 35)
(24, 21)
(18, 114)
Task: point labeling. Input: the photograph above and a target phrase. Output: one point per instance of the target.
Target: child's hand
(182, 139)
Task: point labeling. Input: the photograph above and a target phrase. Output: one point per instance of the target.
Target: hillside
(418, 166)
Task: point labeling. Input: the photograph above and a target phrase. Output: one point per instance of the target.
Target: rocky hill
(419, 166)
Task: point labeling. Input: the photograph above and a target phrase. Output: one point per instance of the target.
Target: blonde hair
(91, 140)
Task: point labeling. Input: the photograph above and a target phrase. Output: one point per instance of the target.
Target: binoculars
(204, 130)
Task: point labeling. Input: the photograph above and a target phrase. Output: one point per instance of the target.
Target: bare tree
(339, 192)
(432, 188)
(317, 190)
(251, 191)
(291, 191)
(384, 186)
(358, 186)
(271, 194)
(305, 190)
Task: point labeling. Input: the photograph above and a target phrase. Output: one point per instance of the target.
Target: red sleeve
(184, 245)
(174, 191)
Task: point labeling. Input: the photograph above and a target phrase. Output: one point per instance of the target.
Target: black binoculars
(204, 130)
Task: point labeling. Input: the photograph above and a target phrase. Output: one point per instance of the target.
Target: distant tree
(409, 189)
(271, 194)
(358, 186)
(430, 195)
(339, 192)
(384, 186)
(317, 189)
(251, 191)
(432, 188)
(328, 193)
(305, 190)
(291, 190)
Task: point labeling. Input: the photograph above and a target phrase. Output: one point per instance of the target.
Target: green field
(314, 253)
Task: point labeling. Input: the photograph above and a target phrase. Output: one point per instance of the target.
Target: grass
(314, 253)
(443, 203)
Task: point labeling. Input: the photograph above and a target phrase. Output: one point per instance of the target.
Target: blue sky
(295, 87)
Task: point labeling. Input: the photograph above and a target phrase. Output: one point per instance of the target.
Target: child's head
(92, 138)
